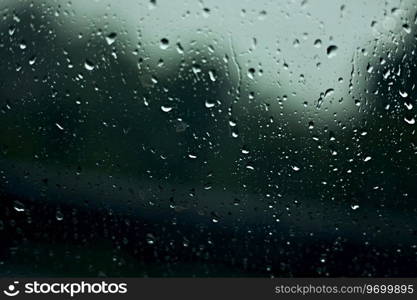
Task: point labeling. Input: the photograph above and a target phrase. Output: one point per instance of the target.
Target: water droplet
(59, 126)
(295, 168)
(152, 4)
(32, 60)
(245, 151)
(406, 28)
(196, 69)
(192, 156)
(317, 43)
(22, 45)
(111, 38)
(262, 15)
(410, 121)
(89, 65)
(251, 73)
(164, 43)
(212, 76)
(368, 158)
(296, 43)
(18, 206)
(354, 206)
(331, 51)
(180, 49)
(250, 167)
(59, 215)
(408, 105)
(209, 104)
(12, 29)
(206, 12)
(150, 239)
(328, 92)
(166, 108)
(403, 94)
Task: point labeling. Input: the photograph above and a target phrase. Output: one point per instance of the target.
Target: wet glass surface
(208, 138)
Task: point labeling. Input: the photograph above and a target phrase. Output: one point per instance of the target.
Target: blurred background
(208, 138)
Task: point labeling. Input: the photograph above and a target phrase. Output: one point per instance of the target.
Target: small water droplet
(32, 60)
(59, 215)
(150, 239)
(317, 43)
(22, 45)
(206, 12)
(410, 121)
(262, 15)
(89, 65)
(250, 167)
(296, 43)
(180, 49)
(245, 151)
(212, 75)
(406, 28)
(209, 104)
(251, 73)
(152, 4)
(12, 29)
(328, 92)
(354, 206)
(403, 94)
(18, 206)
(166, 108)
(196, 69)
(111, 38)
(408, 105)
(295, 168)
(164, 43)
(331, 51)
